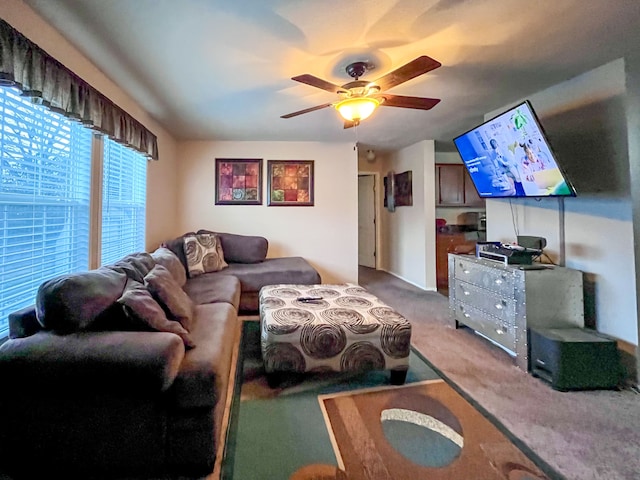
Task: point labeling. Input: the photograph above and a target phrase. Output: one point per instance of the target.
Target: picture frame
(290, 183)
(238, 181)
(389, 192)
(403, 194)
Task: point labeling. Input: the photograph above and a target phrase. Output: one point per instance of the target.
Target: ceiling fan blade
(411, 70)
(419, 103)
(318, 83)
(306, 110)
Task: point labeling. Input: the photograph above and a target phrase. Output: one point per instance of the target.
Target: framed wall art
(238, 181)
(290, 183)
(389, 192)
(404, 189)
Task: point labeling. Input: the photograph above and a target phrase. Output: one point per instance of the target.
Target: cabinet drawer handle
(464, 314)
(464, 270)
(465, 292)
(501, 305)
(502, 330)
(498, 281)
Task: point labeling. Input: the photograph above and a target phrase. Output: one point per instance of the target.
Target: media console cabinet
(501, 301)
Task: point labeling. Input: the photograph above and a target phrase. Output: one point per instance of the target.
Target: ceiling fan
(359, 98)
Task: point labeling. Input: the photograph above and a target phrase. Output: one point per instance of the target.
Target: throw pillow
(72, 302)
(170, 295)
(169, 260)
(134, 265)
(144, 312)
(176, 245)
(204, 254)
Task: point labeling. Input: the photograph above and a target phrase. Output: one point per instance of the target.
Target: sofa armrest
(24, 322)
(129, 362)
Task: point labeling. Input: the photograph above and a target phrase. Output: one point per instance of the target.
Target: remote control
(309, 299)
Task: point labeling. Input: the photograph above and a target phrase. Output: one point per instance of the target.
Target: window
(45, 194)
(124, 189)
(45, 173)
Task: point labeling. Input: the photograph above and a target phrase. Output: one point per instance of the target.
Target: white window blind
(124, 193)
(45, 170)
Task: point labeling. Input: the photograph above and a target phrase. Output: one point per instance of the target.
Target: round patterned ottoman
(340, 328)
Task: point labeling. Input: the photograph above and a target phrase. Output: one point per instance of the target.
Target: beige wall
(409, 232)
(161, 186)
(377, 167)
(325, 234)
(585, 121)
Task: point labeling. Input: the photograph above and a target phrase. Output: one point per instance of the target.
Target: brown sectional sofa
(90, 391)
(246, 256)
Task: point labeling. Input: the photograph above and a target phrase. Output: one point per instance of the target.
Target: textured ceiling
(221, 70)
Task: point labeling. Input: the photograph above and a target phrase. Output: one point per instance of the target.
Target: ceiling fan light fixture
(356, 109)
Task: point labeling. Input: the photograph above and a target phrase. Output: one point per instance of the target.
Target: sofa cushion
(273, 271)
(169, 295)
(134, 265)
(204, 373)
(204, 254)
(169, 260)
(49, 364)
(213, 288)
(72, 302)
(242, 248)
(145, 312)
(142, 260)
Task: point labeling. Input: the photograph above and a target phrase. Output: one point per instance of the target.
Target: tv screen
(509, 156)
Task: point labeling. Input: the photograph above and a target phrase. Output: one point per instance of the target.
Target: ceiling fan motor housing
(358, 69)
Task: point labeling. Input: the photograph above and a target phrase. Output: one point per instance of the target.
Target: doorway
(367, 219)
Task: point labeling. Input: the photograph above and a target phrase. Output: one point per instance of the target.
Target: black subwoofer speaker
(574, 358)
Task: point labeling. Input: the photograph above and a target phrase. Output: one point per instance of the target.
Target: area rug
(357, 426)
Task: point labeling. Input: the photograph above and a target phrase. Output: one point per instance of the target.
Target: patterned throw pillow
(204, 254)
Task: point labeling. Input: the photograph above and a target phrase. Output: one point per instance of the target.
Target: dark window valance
(25, 65)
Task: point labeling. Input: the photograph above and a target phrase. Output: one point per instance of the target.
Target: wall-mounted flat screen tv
(509, 156)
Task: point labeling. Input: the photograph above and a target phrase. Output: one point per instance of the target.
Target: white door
(366, 221)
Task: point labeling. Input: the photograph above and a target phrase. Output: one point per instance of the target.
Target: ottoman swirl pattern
(346, 329)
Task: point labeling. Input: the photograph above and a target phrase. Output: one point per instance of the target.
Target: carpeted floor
(584, 435)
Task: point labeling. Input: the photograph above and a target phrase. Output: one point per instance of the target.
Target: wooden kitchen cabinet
(454, 187)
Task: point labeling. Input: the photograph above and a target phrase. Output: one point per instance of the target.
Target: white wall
(585, 120)
(409, 237)
(161, 187)
(326, 234)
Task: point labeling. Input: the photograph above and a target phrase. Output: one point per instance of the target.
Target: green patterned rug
(357, 426)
